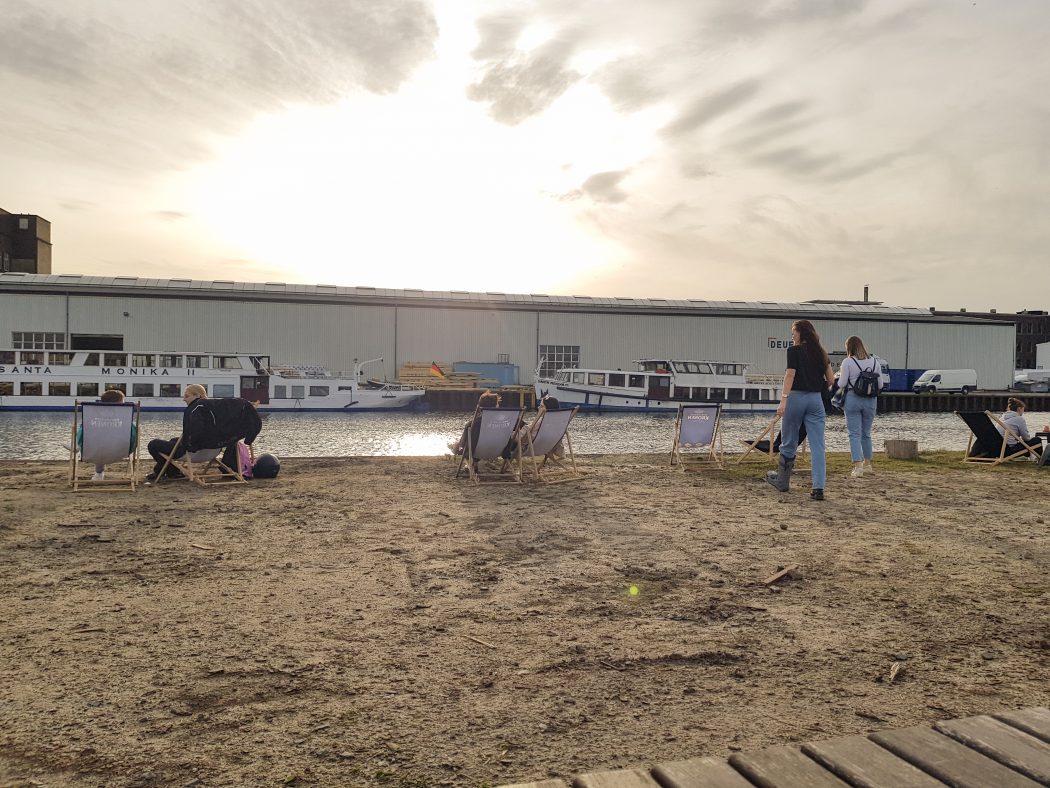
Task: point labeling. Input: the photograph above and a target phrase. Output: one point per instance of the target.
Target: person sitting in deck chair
(194, 396)
(548, 403)
(115, 397)
(488, 399)
(1014, 419)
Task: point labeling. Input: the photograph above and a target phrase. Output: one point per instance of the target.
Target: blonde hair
(197, 390)
(855, 347)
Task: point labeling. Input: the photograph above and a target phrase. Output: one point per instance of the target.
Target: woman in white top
(860, 411)
(1014, 419)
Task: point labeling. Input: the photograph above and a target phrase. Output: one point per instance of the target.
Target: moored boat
(54, 380)
(662, 385)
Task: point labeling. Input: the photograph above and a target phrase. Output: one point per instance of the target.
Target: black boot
(781, 477)
(817, 494)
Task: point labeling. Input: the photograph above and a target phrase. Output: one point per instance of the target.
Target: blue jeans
(808, 407)
(860, 413)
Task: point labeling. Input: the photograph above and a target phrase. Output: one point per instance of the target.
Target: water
(45, 436)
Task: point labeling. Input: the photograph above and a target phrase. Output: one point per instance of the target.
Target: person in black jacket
(194, 396)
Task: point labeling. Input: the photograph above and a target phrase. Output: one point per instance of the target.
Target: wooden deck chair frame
(204, 467)
(769, 435)
(565, 466)
(115, 481)
(471, 457)
(710, 454)
(1022, 450)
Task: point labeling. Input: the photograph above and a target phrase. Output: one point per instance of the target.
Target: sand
(373, 622)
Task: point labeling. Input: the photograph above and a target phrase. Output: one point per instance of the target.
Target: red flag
(436, 370)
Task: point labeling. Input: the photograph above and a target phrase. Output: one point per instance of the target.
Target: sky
(773, 150)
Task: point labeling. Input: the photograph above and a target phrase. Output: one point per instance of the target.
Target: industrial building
(332, 326)
(25, 243)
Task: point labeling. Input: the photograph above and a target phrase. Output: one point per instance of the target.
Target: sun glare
(419, 189)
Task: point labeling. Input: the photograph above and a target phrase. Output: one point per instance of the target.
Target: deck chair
(497, 426)
(204, 467)
(987, 445)
(696, 427)
(540, 441)
(107, 432)
(761, 449)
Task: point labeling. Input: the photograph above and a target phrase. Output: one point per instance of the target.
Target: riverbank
(369, 621)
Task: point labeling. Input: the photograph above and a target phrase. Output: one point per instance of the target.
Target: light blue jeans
(860, 413)
(808, 407)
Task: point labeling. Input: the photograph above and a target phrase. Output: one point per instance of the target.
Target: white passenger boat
(54, 380)
(662, 385)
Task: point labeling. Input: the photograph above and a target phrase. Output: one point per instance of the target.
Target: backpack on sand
(867, 382)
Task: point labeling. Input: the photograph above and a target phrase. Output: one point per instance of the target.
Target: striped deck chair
(109, 436)
(696, 428)
(541, 441)
(496, 428)
(989, 446)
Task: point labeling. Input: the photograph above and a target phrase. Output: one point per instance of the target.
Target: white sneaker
(868, 469)
(857, 472)
(98, 476)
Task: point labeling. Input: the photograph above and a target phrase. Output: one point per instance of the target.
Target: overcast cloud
(807, 147)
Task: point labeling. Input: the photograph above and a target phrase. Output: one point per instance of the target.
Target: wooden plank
(784, 767)
(1034, 721)
(699, 773)
(540, 784)
(867, 765)
(621, 778)
(947, 760)
(1006, 744)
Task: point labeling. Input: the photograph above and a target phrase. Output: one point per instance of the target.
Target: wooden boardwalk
(1008, 750)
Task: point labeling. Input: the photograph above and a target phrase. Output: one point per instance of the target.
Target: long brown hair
(855, 347)
(809, 339)
(1015, 404)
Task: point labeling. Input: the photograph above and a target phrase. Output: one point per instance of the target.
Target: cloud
(605, 187)
(707, 108)
(143, 85)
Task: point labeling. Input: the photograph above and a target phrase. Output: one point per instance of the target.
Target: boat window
(7, 388)
(7, 357)
(142, 359)
(692, 367)
(718, 394)
(223, 390)
(280, 392)
(87, 389)
(636, 381)
(32, 388)
(60, 359)
(227, 362)
(121, 387)
(114, 359)
(735, 395)
(703, 369)
(142, 389)
(700, 393)
(298, 392)
(59, 389)
(169, 360)
(727, 369)
(31, 357)
(595, 378)
(751, 395)
(617, 380)
(197, 362)
(655, 366)
(170, 390)
(318, 391)
(577, 377)
(91, 360)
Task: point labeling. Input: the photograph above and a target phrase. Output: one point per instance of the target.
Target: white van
(933, 380)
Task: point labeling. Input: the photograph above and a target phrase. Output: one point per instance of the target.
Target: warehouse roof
(78, 284)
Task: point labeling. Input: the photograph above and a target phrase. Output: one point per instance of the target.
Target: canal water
(45, 436)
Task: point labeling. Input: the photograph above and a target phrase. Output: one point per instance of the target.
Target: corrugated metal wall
(333, 335)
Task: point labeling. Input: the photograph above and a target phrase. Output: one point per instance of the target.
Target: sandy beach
(374, 622)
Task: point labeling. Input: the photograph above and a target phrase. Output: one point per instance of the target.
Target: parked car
(962, 381)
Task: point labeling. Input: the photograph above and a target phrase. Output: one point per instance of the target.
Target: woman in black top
(806, 380)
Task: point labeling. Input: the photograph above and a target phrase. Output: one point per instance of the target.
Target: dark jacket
(216, 423)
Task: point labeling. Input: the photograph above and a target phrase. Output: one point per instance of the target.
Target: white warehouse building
(332, 326)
